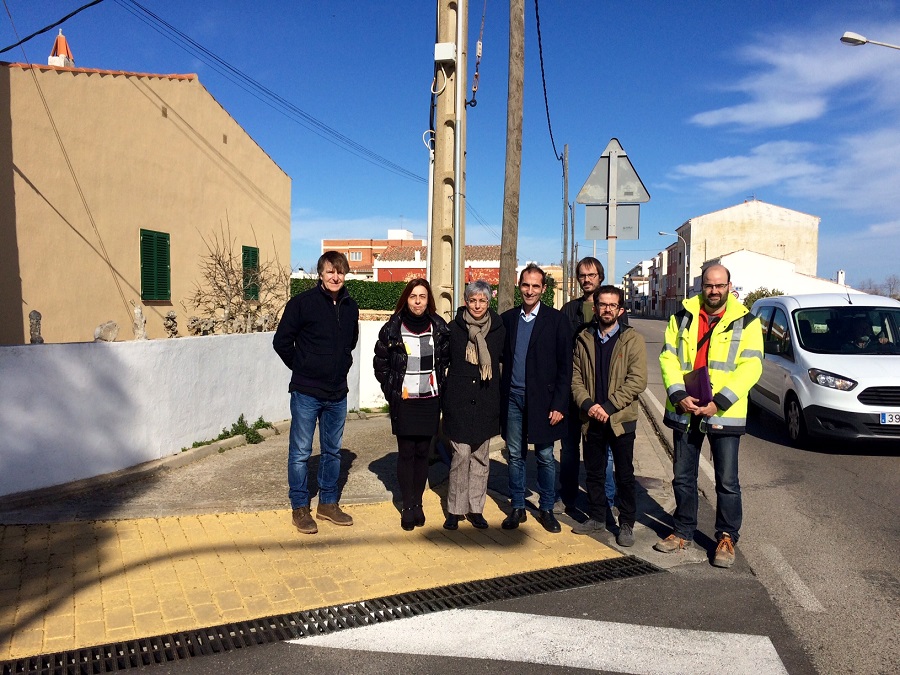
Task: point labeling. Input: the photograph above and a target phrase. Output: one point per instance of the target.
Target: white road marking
(559, 641)
(792, 580)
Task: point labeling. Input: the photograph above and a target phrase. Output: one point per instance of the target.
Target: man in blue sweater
(315, 339)
(536, 381)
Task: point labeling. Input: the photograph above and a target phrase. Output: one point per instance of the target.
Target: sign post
(612, 196)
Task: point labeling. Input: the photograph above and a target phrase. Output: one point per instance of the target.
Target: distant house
(404, 263)
(109, 191)
(361, 253)
(751, 271)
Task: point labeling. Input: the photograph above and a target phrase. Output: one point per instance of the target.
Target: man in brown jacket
(609, 371)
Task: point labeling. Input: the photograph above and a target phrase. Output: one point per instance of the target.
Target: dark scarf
(417, 324)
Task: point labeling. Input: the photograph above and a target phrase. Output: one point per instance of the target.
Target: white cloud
(796, 74)
(767, 164)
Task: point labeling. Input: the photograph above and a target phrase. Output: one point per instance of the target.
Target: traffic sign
(628, 190)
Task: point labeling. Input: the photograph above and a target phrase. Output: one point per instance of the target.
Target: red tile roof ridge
(98, 71)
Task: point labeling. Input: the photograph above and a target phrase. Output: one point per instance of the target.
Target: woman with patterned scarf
(471, 403)
(411, 357)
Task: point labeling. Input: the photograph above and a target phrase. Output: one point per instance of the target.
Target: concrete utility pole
(447, 237)
(512, 182)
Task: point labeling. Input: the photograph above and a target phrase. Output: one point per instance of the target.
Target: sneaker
(724, 552)
(626, 535)
(333, 513)
(303, 521)
(671, 544)
(590, 526)
(559, 507)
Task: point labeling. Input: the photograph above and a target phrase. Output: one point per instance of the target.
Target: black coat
(390, 358)
(472, 406)
(315, 339)
(548, 372)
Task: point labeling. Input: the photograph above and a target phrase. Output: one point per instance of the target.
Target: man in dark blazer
(536, 385)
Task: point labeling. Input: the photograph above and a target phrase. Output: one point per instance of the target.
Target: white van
(831, 366)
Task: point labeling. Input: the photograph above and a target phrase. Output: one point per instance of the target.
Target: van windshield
(848, 330)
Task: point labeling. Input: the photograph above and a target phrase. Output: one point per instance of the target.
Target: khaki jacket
(627, 376)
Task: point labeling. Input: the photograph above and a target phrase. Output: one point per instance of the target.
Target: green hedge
(383, 295)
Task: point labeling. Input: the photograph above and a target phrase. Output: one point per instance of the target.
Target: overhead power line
(262, 93)
(51, 26)
(537, 16)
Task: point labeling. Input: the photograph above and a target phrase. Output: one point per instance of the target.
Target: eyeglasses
(714, 287)
(593, 275)
(604, 305)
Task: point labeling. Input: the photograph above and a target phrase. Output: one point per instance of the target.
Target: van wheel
(796, 425)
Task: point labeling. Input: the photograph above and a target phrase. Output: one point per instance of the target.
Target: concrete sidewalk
(191, 544)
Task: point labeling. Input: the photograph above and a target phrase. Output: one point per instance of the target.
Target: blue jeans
(546, 465)
(729, 513)
(331, 415)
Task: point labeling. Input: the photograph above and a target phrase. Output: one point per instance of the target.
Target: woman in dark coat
(471, 403)
(411, 357)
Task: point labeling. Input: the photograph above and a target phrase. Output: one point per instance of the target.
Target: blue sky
(714, 102)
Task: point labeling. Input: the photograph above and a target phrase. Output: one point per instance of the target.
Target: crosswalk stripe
(561, 641)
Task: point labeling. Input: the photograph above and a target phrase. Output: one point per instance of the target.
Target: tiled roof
(37, 66)
(408, 253)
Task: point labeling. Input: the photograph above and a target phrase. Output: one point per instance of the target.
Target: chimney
(61, 55)
(842, 277)
(418, 255)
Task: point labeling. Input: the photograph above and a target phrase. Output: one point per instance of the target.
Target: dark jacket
(627, 377)
(548, 372)
(315, 339)
(390, 358)
(471, 405)
(574, 312)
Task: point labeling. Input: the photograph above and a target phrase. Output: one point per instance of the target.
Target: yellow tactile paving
(80, 584)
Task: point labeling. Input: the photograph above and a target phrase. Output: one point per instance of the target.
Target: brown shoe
(333, 513)
(724, 552)
(303, 521)
(671, 544)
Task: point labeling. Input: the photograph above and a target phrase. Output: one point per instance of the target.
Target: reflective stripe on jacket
(735, 364)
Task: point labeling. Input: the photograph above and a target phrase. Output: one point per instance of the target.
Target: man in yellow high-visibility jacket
(712, 332)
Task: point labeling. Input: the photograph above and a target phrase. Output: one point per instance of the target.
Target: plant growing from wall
(237, 292)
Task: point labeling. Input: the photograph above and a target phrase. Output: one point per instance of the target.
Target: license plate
(890, 418)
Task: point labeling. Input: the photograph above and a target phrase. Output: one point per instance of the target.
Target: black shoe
(515, 517)
(419, 515)
(452, 521)
(407, 519)
(549, 521)
(477, 520)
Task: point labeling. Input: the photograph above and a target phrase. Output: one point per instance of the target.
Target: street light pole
(856, 40)
(675, 234)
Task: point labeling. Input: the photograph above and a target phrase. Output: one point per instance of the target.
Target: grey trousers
(469, 469)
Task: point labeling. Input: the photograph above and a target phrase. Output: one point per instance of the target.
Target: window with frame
(156, 272)
(250, 262)
(355, 256)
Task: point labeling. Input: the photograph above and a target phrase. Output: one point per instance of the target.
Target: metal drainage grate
(218, 639)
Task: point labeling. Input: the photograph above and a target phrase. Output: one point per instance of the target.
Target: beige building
(756, 226)
(111, 181)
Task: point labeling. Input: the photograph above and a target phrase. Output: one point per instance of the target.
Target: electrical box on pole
(612, 196)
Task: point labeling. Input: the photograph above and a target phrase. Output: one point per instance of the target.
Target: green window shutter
(250, 260)
(156, 283)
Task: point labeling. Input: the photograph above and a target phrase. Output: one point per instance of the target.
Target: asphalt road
(821, 532)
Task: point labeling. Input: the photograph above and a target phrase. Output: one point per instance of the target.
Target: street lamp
(855, 40)
(675, 234)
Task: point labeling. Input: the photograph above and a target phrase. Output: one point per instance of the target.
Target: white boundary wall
(75, 410)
